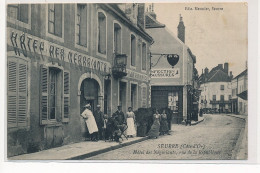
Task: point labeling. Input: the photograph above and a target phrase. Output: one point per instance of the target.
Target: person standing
(154, 131)
(130, 121)
(90, 122)
(164, 129)
(99, 117)
(119, 116)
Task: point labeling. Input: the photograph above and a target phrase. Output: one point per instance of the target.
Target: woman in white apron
(90, 122)
(130, 131)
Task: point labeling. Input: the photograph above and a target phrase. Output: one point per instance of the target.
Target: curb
(197, 122)
(238, 145)
(243, 118)
(94, 153)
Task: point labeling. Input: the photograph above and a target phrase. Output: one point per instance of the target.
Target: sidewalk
(77, 151)
(200, 119)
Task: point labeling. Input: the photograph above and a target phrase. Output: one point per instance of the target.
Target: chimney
(231, 75)
(206, 71)
(181, 30)
(226, 68)
(140, 15)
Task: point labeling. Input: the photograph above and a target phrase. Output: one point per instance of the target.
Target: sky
(214, 36)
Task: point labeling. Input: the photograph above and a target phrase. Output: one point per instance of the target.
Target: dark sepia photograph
(126, 81)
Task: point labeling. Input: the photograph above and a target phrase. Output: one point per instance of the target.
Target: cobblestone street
(215, 138)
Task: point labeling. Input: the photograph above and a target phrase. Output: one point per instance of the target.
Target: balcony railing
(220, 101)
(119, 68)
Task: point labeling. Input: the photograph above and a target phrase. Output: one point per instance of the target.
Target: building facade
(216, 89)
(239, 93)
(63, 56)
(171, 86)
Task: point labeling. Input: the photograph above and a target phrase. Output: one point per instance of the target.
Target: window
(17, 98)
(117, 38)
(81, 25)
(133, 50)
(173, 101)
(54, 102)
(143, 56)
(134, 96)
(229, 97)
(102, 33)
(221, 87)
(55, 19)
(222, 97)
(214, 97)
(19, 12)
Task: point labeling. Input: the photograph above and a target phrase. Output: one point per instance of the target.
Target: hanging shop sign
(24, 43)
(138, 76)
(165, 73)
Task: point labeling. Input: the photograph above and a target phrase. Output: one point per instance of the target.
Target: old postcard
(127, 81)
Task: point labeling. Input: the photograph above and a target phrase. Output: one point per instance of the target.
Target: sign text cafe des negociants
(24, 43)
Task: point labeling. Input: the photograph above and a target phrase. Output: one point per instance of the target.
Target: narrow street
(214, 138)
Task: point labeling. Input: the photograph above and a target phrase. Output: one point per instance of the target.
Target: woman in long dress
(90, 122)
(130, 119)
(154, 131)
(164, 129)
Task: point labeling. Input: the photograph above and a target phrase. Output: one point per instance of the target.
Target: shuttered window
(66, 97)
(17, 93)
(102, 38)
(55, 19)
(53, 109)
(144, 97)
(81, 25)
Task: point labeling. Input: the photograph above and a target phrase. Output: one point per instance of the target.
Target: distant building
(239, 93)
(215, 89)
(171, 87)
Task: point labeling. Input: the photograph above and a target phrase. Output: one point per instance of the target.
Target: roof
(241, 74)
(219, 76)
(151, 22)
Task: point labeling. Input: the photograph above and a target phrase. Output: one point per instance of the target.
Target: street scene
(190, 143)
(127, 81)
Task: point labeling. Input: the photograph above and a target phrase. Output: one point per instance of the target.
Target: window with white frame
(102, 33)
(133, 50)
(54, 101)
(55, 19)
(19, 12)
(117, 38)
(81, 25)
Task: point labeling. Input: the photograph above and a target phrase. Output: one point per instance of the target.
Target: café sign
(165, 73)
(138, 76)
(24, 43)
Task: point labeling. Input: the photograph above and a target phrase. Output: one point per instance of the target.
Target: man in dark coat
(119, 116)
(99, 117)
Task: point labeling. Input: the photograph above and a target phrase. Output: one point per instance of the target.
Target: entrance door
(89, 94)
(122, 95)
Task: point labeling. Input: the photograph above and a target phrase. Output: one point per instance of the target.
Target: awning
(243, 95)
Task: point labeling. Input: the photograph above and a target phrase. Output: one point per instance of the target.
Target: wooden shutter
(44, 83)
(12, 94)
(66, 96)
(58, 20)
(22, 94)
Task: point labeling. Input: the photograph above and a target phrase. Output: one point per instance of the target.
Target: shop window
(173, 101)
(143, 56)
(214, 98)
(19, 12)
(133, 49)
(81, 25)
(17, 99)
(102, 33)
(55, 102)
(221, 87)
(117, 38)
(55, 19)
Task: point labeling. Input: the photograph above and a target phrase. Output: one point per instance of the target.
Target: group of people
(160, 125)
(104, 127)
